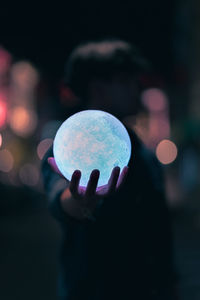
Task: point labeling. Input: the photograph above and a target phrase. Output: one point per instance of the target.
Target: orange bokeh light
(166, 152)
(22, 121)
(24, 75)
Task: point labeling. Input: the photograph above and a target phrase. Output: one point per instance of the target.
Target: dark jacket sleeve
(54, 186)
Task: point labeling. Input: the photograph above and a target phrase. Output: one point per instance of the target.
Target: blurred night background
(34, 45)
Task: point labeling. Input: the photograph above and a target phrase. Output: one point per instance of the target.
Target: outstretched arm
(80, 202)
(68, 198)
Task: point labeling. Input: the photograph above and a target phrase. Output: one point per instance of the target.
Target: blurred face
(117, 96)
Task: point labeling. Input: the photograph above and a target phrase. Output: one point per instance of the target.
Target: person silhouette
(117, 241)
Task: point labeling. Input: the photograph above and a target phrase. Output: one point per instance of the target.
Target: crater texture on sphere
(91, 139)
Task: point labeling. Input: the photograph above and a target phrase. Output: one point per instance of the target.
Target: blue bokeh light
(88, 140)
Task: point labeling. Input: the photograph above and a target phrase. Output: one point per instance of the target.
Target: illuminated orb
(91, 139)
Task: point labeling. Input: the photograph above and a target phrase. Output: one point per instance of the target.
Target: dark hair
(101, 60)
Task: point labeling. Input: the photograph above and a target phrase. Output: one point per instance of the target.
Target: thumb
(53, 165)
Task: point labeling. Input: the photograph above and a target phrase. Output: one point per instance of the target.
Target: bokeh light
(29, 174)
(89, 140)
(22, 121)
(24, 75)
(166, 152)
(5, 60)
(19, 148)
(3, 112)
(159, 129)
(0, 140)
(154, 100)
(6, 160)
(43, 146)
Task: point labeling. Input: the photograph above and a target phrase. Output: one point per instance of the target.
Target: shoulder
(147, 161)
(154, 166)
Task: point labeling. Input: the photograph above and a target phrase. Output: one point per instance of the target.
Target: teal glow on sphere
(88, 140)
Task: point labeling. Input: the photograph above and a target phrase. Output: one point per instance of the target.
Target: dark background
(165, 32)
(46, 35)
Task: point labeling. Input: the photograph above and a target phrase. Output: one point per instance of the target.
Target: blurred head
(105, 75)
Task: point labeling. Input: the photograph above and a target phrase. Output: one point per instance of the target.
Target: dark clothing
(127, 252)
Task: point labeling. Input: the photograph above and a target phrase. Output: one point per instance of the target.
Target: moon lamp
(88, 140)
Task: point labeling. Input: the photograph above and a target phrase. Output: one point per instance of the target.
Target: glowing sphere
(88, 140)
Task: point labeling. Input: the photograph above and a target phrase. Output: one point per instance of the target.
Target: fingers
(52, 163)
(116, 181)
(74, 183)
(85, 196)
(122, 177)
(92, 184)
(113, 180)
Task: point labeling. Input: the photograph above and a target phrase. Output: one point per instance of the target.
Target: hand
(81, 202)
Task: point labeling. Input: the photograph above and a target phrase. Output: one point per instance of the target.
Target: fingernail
(77, 173)
(96, 172)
